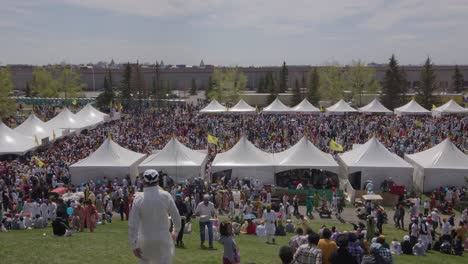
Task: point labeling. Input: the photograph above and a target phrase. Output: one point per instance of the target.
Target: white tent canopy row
(109, 160)
(87, 117)
(177, 160)
(306, 107)
(34, 127)
(374, 107)
(340, 108)
(411, 108)
(441, 165)
(277, 107)
(244, 159)
(91, 115)
(214, 107)
(242, 108)
(12, 142)
(451, 107)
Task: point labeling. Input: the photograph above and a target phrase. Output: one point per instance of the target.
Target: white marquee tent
(451, 107)
(91, 115)
(242, 108)
(109, 160)
(304, 155)
(276, 107)
(411, 108)
(12, 142)
(306, 107)
(441, 165)
(33, 126)
(66, 120)
(214, 107)
(177, 160)
(340, 108)
(375, 107)
(246, 161)
(373, 161)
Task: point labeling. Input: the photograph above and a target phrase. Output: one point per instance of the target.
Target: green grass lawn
(109, 244)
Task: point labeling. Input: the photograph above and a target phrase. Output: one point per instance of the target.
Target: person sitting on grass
(289, 226)
(419, 249)
(286, 254)
(280, 231)
(60, 227)
(261, 230)
(396, 247)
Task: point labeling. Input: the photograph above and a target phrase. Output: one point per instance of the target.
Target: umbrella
(249, 216)
(59, 191)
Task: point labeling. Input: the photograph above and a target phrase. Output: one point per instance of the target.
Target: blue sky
(236, 32)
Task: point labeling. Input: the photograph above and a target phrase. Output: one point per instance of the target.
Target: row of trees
(57, 81)
(7, 104)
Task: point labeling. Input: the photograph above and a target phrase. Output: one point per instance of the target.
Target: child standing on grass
(231, 252)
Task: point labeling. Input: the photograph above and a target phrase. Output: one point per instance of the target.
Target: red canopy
(59, 190)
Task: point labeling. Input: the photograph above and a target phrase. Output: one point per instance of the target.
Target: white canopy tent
(33, 126)
(109, 160)
(411, 108)
(374, 107)
(91, 115)
(12, 142)
(373, 161)
(441, 165)
(340, 108)
(246, 161)
(242, 108)
(177, 161)
(66, 120)
(276, 107)
(306, 107)
(214, 107)
(451, 107)
(304, 155)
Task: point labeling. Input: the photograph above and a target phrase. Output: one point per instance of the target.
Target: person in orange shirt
(326, 245)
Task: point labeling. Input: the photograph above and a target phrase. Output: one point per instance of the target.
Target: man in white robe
(269, 216)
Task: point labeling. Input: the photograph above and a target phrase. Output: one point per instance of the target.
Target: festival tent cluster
(109, 160)
(372, 161)
(374, 107)
(91, 115)
(411, 108)
(340, 108)
(451, 107)
(12, 142)
(34, 127)
(442, 165)
(177, 160)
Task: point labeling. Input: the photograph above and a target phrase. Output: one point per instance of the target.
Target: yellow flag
(109, 135)
(335, 146)
(321, 109)
(434, 106)
(121, 107)
(53, 135)
(38, 162)
(418, 123)
(36, 141)
(212, 139)
(74, 102)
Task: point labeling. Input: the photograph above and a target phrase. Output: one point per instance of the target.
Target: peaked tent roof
(374, 107)
(66, 119)
(412, 108)
(110, 154)
(242, 107)
(91, 115)
(444, 155)
(373, 154)
(305, 107)
(33, 126)
(214, 107)
(341, 107)
(175, 154)
(304, 154)
(243, 154)
(12, 142)
(276, 107)
(450, 107)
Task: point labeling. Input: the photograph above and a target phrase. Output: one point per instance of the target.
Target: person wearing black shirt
(342, 255)
(183, 212)
(59, 227)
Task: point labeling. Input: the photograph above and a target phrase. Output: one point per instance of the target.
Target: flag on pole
(38, 161)
(418, 123)
(434, 106)
(121, 107)
(74, 102)
(109, 135)
(110, 104)
(54, 136)
(321, 109)
(36, 141)
(335, 146)
(212, 139)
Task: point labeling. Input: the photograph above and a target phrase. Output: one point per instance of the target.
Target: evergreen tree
(458, 81)
(427, 85)
(202, 64)
(209, 87)
(125, 87)
(394, 85)
(303, 85)
(28, 90)
(296, 94)
(104, 99)
(193, 87)
(283, 83)
(312, 91)
(270, 87)
(261, 85)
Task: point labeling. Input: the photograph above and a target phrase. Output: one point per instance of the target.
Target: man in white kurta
(148, 225)
(269, 216)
